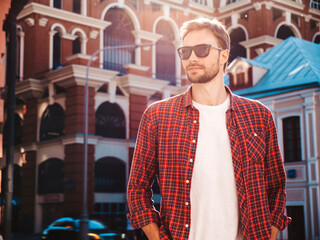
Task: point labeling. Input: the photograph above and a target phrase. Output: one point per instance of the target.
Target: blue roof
(293, 64)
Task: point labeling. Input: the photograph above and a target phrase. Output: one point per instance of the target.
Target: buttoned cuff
(280, 221)
(142, 218)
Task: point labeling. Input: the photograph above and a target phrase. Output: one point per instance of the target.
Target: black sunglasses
(201, 50)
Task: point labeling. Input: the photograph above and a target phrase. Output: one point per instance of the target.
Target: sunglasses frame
(192, 48)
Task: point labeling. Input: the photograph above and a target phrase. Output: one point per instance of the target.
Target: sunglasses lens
(202, 50)
(184, 52)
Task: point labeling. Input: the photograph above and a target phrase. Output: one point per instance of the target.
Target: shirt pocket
(256, 146)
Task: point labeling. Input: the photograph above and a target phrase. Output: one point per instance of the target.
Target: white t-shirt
(214, 201)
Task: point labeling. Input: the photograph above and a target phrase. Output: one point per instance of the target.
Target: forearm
(274, 233)
(152, 231)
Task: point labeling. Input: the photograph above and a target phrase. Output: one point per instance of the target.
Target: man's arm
(274, 233)
(275, 179)
(144, 167)
(152, 231)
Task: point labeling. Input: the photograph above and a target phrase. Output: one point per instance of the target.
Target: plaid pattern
(166, 147)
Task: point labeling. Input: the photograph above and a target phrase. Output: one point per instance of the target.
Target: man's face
(202, 69)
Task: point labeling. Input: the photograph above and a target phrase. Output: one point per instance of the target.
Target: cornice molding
(81, 56)
(144, 86)
(74, 74)
(30, 88)
(137, 67)
(266, 39)
(145, 35)
(62, 15)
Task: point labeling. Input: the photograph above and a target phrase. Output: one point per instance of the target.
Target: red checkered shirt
(166, 148)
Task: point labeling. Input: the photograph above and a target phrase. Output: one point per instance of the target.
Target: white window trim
(136, 25)
(280, 118)
(56, 27)
(292, 26)
(21, 51)
(83, 39)
(176, 44)
(314, 36)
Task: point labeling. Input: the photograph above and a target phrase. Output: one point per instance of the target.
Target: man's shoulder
(244, 104)
(168, 104)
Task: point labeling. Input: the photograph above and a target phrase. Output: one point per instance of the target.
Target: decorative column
(30, 90)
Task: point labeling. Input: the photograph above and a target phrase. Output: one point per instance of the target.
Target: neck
(212, 93)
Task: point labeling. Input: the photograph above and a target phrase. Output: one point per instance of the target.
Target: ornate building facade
(56, 40)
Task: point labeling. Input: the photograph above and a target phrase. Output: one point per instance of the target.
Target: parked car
(68, 229)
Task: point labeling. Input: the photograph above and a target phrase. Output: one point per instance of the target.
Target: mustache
(195, 65)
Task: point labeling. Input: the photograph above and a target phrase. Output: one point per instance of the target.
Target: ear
(224, 56)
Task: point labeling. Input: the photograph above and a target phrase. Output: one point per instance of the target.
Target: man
(215, 154)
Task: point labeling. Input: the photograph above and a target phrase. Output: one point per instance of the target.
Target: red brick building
(56, 40)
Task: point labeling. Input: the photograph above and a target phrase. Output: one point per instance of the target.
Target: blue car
(68, 229)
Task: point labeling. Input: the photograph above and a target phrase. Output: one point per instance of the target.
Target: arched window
(16, 180)
(291, 139)
(118, 34)
(50, 176)
(17, 130)
(315, 4)
(165, 53)
(284, 32)
(52, 122)
(76, 45)
(110, 121)
(237, 35)
(56, 56)
(110, 175)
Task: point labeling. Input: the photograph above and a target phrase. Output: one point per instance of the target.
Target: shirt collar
(187, 98)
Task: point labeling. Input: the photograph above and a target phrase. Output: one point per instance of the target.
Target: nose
(193, 57)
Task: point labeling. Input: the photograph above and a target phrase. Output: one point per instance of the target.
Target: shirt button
(187, 181)
(255, 134)
(195, 121)
(191, 160)
(194, 141)
(187, 203)
(187, 225)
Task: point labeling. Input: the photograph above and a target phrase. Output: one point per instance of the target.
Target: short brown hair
(213, 25)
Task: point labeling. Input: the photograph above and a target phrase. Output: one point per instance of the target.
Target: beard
(205, 77)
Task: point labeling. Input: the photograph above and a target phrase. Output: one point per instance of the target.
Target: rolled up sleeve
(142, 175)
(275, 178)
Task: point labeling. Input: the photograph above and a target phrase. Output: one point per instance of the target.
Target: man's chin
(198, 80)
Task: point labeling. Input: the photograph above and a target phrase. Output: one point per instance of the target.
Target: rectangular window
(77, 6)
(291, 139)
(57, 4)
